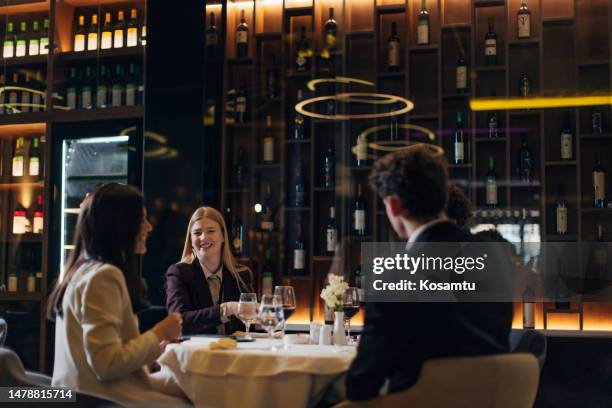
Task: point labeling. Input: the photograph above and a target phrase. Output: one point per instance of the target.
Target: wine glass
(270, 315)
(247, 311)
(351, 306)
(287, 296)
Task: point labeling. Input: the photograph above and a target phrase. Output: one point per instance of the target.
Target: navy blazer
(187, 293)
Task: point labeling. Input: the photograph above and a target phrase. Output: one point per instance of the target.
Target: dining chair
(3, 330)
(529, 341)
(496, 381)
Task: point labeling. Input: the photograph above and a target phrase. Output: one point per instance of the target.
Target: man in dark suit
(398, 338)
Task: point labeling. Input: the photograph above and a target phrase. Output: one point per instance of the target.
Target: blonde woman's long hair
(229, 262)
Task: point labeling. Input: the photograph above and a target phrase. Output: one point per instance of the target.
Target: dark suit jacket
(187, 293)
(398, 337)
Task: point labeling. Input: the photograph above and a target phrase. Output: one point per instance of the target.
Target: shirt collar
(208, 274)
(423, 227)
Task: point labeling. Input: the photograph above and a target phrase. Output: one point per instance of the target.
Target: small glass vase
(339, 335)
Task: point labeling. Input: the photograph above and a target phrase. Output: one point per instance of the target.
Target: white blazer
(98, 347)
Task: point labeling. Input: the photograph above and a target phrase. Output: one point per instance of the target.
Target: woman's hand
(230, 308)
(170, 328)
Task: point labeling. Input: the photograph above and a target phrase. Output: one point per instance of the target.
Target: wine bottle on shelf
(28, 267)
(79, 35)
(71, 89)
(240, 241)
(361, 153)
(359, 212)
(272, 79)
(131, 85)
(34, 155)
(18, 158)
(240, 170)
(596, 121)
(393, 49)
(268, 142)
(299, 197)
(524, 83)
(22, 40)
(26, 93)
(423, 25)
(491, 45)
(267, 212)
(331, 32)
(493, 123)
(34, 41)
(304, 53)
(240, 105)
(106, 41)
(267, 284)
(87, 88)
(298, 120)
(599, 183)
(329, 167)
(119, 31)
(212, 34)
(560, 212)
(3, 109)
(38, 223)
(331, 232)
(524, 21)
(44, 38)
(299, 253)
(9, 41)
(12, 282)
(242, 37)
(132, 39)
(460, 145)
(20, 218)
(528, 308)
(37, 98)
(13, 95)
(92, 34)
(567, 139)
(461, 72)
(491, 185)
(143, 34)
(525, 161)
(600, 254)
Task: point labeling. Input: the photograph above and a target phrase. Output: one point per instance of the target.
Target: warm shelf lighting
(490, 104)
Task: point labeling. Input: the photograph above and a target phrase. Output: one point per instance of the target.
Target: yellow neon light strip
(489, 104)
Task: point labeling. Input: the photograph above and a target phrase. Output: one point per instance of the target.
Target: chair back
(497, 381)
(3, 330)
(12, 373)
(529, 341)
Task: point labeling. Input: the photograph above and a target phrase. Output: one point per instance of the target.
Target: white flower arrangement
(333, 293)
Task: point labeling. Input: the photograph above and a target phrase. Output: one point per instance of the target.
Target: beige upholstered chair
(498, 381)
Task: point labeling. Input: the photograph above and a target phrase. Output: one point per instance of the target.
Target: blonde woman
(205, 286)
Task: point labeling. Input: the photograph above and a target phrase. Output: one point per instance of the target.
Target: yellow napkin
(224, 343)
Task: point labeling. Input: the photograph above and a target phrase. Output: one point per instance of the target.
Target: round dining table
(253, 376)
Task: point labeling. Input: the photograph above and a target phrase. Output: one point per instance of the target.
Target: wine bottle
(298, 120)
(560, 212)
(79, 35)
(361, 154)
(423, 25)
(242, 38)
(359, 212)
(461, 73)
(34, 42)
(106, 36)
(460, 142)
(299, 197)
(599, 183)
(331, 232)
(13, 96)
(600, 255)
(18, 158)
(524, 21)
(3, 109)
(119, 31)
(302, 62)
(268, 142)
(44, 38)
(493, 124)
(38, 216)
(525, 161)
(20, 220)
(491, 45)
(130, 85)
(267, 283)
(34, 155)
(92, 34)
(331, 32)
(71, 89)
(272, 78)
(26, 93)
(491, 184)
(596, 121)
(267, 212)
(212, 35)
(37, 98)
(22, 39)
(9, 41)
(239, 242)
(524, 83)
(329, 167)
(240, 170)
(299, 253)
(241, 104)
(86, 89)
(393, 49)
(528, 308)
(567, 139)
(132, 29)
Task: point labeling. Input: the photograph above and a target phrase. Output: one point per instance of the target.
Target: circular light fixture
(312, 84)
(430, 135)
(349, 97)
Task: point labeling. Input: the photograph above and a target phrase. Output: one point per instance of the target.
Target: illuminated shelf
(391, 9)
(24, 6)
(28, 60)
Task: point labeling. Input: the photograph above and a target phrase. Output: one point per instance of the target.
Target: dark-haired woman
(98, 347)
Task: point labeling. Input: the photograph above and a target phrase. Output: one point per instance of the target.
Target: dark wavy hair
(108, 224)
(417, 176)
(459, 206)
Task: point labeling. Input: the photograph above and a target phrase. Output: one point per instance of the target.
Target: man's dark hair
(417, 176)
(459, 206)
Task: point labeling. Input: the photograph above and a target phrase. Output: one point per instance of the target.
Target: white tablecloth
(252, 376)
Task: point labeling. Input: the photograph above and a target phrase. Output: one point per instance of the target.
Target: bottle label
(79, 42)
(71, 98)
(132, 37)
(242, 37)
(330, 39)
(360, 220)
(461, 77)
(9, 50)
(36, 102)
(34, 47)
(566, 146)
(212, 39)
(491, 192)
(12, 283)
(92, 41)
(38, 225)
(362, 148)
(19, 224)
(459, 153)
(524, 25)
(528, 315)
(268, 151)
(34, 166)
(17, 166)
(237, 243)
(86, 98)
(118, 39)
(130, 95)
(107, 40)
(267, 225)
(423, 33)
(298, 259)
(20, 50)
(101, 96)
(31, 284)
(116, 96)
(394, 54)
(241, 104)
(266, 286)
(491, 46)
(300, 61)
(44, 45)
(13, 98)
(599, 183)
(25, 101)
(332, 239)
(561, 220)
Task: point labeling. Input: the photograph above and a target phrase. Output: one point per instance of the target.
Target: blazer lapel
(201, 286)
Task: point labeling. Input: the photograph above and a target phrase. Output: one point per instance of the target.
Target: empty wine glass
(287, 296)
(270, 315)
(351, 306)
(247, 311)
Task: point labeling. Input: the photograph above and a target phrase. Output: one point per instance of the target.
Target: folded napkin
(224, 343)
